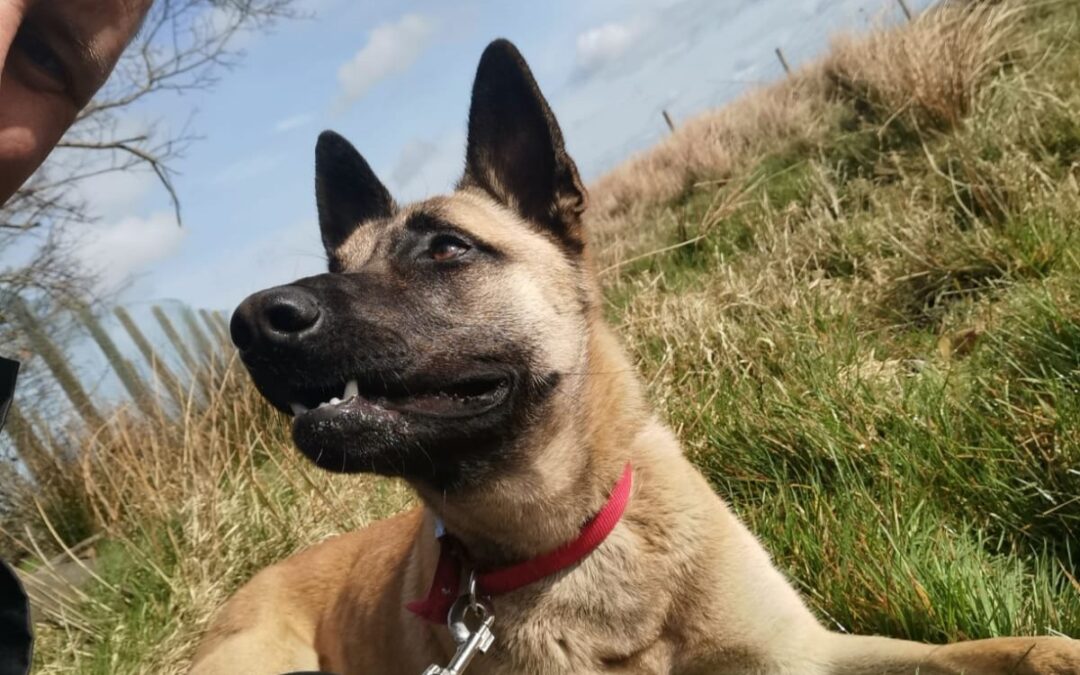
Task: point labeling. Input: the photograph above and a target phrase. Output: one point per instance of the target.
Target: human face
(54, 56)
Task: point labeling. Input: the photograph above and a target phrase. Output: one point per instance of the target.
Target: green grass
(868, 339)
(875, 357)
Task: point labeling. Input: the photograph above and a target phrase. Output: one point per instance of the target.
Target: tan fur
(679, 587)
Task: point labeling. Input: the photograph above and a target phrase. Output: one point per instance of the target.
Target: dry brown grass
(189, 511)
(929, 70)
(710, 147)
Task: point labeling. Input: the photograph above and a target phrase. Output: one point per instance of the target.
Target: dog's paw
(1052, 656)
(1010, 656)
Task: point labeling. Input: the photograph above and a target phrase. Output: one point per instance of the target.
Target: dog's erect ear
(515, 151)
(347, 191)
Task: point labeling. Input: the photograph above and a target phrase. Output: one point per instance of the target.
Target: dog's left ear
(515, 151)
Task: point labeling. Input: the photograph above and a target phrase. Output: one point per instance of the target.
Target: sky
(394, 77)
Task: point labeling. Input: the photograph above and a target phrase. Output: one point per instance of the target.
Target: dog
(459, 343)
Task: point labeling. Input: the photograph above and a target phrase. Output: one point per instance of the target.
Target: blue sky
(394, 77)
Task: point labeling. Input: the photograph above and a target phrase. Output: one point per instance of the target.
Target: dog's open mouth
(392, 396)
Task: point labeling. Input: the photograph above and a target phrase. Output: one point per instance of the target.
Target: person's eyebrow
(84, 49)
(77, 50)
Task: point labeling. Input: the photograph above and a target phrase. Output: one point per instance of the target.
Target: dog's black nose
(274, 317)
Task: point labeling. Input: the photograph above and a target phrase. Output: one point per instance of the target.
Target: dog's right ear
(515, 150)
(347, 191)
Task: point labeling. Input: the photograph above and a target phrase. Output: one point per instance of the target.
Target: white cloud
(107, 192)
(392, 48)
(118, 250)
(605, 44)
(249, 167)
(116, 194)
(426, 167)
(414, 156)
(293, 122)
(278, 256)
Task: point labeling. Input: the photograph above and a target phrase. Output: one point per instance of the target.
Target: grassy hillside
(865, 324)
(854, 294)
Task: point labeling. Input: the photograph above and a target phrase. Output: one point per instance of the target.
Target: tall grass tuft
(930, 70)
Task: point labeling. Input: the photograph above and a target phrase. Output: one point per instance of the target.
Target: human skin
(54, 56)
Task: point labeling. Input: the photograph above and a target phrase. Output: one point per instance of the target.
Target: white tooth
(351, 389)
(335, 401)
(323, 404)
(298, 409)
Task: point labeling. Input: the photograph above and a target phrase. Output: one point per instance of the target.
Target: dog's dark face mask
(15, 636)
(444, 329)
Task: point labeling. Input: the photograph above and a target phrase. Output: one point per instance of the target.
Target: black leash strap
(16, 638)
(9, 373)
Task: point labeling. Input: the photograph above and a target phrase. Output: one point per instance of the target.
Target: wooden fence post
(34, 455)
(129, 377)
(214, 327)
(177, 342)
(907, 10)
(57, 364)
(223, 326)
(157, 365)
(667, 118)
(209, 354)
(212, 374)
(783, 60)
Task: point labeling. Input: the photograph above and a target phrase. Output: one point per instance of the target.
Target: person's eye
(41, 56)
(446, 247)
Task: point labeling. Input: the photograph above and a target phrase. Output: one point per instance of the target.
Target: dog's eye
(446, 247)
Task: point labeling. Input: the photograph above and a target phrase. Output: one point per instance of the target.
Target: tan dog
(465, 335)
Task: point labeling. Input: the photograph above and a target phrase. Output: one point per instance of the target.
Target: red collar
(446, 585)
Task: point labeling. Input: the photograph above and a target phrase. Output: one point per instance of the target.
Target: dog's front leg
(863, 655)
(257, 651)
(260, 631)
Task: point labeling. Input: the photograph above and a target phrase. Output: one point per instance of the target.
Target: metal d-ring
(457, 619)
(474, 602)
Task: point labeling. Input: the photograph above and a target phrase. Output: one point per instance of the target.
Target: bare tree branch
(184, 46)
(158, 166)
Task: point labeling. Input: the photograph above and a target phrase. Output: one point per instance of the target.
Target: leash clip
(469, 620)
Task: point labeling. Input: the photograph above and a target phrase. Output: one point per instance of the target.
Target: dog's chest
(612, 613)
(615, 630)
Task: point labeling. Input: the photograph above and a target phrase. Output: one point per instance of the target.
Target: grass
(855, 295)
